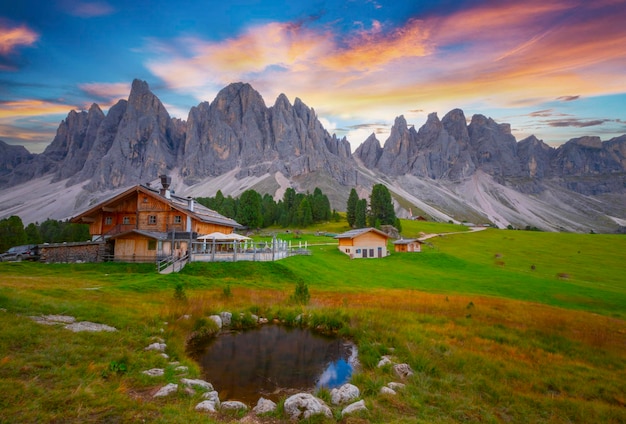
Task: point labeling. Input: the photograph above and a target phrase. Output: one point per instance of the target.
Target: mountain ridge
(268, 147)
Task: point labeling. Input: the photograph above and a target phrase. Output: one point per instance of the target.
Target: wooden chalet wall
(371, 240)
(207, 228)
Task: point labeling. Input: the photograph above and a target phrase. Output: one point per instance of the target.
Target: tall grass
(490, 338)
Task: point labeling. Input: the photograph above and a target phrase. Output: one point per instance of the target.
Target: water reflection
(273, 361)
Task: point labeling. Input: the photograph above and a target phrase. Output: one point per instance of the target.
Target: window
(151, 219)
(126, 220)
(145, 199)
(151, 244)
(108, 220)
(178, 219)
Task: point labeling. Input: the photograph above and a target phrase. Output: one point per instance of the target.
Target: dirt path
(471, 230)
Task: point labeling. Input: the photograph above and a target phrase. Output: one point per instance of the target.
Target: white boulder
(387, 391)
(304, 406)
(354, 407)
(233, 405)
(206, 406)
(154, 372)
(403, 370)
(396, 386)
(227, 318)
(166, 390)
(159, 347)
(385, 360)
(217, 320)
(263, 406)
(197, 383)
(346, 393)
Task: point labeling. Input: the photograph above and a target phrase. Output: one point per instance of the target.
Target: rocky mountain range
(447, 169)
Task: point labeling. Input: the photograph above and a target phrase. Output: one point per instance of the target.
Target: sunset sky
(552, 68)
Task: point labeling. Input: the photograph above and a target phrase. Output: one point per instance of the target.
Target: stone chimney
(165, 186)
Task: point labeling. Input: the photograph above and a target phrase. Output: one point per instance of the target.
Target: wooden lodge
(146, 224)
(363, 243)
(407, 245)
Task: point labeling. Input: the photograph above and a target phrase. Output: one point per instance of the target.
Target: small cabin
(146, 224)
(407, 245)
(363, 243)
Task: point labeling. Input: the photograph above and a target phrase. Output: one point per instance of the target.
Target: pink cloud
(11, 38)
(84, 9)
(109, 91)
(504, 54)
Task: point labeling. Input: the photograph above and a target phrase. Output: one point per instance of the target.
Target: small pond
(274, 361)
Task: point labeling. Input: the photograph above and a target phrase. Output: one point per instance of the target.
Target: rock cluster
(71, 324)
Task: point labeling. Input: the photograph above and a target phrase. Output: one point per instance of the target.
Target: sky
(555, 69)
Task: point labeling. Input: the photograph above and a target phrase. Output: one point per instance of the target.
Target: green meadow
(499, 326)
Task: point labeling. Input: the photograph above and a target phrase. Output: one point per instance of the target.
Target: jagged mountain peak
(236, 137)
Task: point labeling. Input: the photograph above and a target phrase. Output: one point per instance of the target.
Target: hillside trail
(471, 230)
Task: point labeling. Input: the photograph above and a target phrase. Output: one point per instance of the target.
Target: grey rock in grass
(264, 406)
(159, 347)
(197, 383)
(217, 320)
(89, 326)
(227, 318)
(385, 360)
(403, 370)
(354, 408)
(206, 406)
(233, 405)
(212, 396)
(181, 369)
(387, 391)
(65, 319)
(346, 393)
(166, 390)
(304, 406)
(396, 386)
(154, 372)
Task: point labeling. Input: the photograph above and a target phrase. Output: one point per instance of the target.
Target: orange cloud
(23, 108)
(11, 38)
(504, 54)
(374, 48)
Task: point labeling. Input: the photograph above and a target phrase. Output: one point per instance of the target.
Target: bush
(179, 292)
(227, 293)
(301, 295)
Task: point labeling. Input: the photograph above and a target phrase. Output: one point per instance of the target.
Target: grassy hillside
(500, 326)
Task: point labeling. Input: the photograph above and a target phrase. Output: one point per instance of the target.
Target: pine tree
(360, 220)
(304, 215)
(249, 209)
(11, 232)
(381, 206)
(353, 199)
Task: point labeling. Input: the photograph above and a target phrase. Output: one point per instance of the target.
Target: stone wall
(72, 252)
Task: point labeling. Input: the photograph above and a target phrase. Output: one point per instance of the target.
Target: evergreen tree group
(13, 232)
(380, 212)
(256, 211)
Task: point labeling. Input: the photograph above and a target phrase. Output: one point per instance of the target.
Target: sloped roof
(360, 231)
(155, 235)
(200, 212)
(407, 241)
